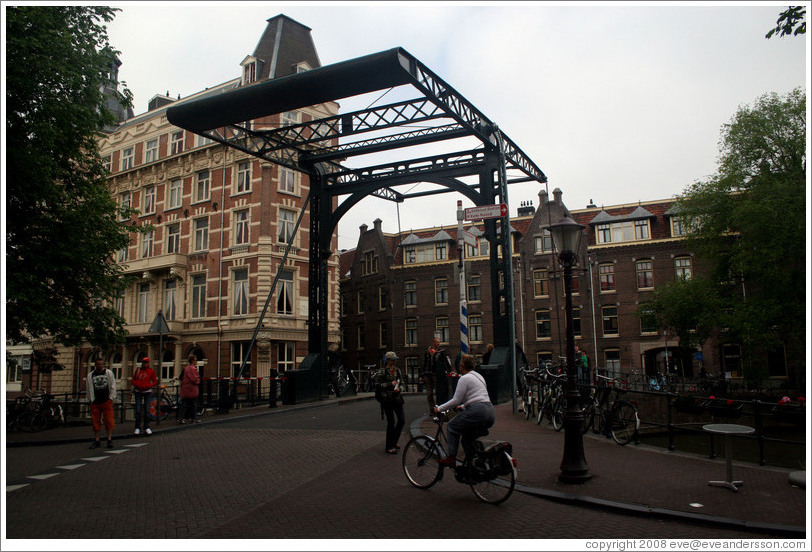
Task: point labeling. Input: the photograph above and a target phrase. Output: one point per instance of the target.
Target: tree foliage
(748, 225)
(63, 225)
(790, 22)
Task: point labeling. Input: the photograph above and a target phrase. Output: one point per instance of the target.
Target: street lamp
(574, 469)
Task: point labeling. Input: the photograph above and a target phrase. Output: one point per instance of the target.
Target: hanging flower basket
(724, 408)
(790, 411)
(690, 404)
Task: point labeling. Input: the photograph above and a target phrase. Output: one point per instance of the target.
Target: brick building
(219, 222)
(400, 290)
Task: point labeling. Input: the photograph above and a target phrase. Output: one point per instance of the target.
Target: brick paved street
(318, 473)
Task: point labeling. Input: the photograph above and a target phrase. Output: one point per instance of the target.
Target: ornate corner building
(217, 226)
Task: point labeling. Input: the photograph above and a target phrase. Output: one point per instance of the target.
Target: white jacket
(111, 384)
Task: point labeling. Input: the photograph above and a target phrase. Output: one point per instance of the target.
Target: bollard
(272, 388)
(222, 396)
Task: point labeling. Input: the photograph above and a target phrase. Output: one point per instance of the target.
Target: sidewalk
(638, 479)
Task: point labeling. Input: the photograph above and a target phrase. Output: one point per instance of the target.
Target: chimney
(557, 195)
(526, 209)
(542, 198)
(377, 222)
(363, 228)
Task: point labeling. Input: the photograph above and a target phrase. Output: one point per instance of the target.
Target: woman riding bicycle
(471, 398)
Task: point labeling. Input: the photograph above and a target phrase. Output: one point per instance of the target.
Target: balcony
(173, 264)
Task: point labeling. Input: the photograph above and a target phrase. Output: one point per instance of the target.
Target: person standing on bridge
(101, 392)
(189, 391)
(390, 382)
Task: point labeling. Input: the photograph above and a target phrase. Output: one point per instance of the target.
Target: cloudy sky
(616, 103)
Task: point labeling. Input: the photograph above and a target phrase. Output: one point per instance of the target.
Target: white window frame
(201, 234)
(176, 142)
(175, 193)
(151, 151)
(683, 271)
(286, 224)
(170, 298)
(127, 158)
(148, 244)
(125, 202)
(198, 292)
(241, 227)
(284, 294)
(148, 196)
(242, 178)
(143, 303)
(202, 186)
(287, 180)
(173, 238)
(240, 291)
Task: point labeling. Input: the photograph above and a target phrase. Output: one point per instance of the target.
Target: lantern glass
(567, 235)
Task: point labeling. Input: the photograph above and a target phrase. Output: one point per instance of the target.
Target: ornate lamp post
(574, 469)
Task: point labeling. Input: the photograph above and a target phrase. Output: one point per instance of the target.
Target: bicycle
(529, 398)
(620, 421)
(47, 413)
(488, 467)
(551, 399)
(167, 404)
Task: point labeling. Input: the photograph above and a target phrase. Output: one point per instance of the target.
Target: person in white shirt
(472, 400)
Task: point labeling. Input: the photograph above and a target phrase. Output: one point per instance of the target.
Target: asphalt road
(313, 473)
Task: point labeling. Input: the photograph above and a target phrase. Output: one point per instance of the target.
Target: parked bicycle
(619, 420)
(488, 467)
(170, 402)
(551, 399)
(34, 413)
(529, 392)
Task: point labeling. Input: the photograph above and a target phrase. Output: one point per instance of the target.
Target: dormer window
(301, 67)
(249, 70)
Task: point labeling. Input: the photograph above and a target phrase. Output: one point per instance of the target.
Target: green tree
(748, 225)
(790, 19)
(62, 223)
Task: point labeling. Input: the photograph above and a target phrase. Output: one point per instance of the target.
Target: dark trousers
(393, 409)
(188, 409)
(142, 408)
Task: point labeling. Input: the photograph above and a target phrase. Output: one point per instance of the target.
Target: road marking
(96, 458)
(71, 466)
(119, 451)
(10, 488)
(135, 445)
(42, 476)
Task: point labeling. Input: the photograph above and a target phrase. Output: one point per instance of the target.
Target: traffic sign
(486, 212)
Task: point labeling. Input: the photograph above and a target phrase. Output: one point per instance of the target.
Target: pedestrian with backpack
(388, 392)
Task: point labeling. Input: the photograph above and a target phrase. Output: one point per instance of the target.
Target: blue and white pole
(463, 303)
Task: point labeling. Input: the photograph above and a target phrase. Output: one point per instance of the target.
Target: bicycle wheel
(155, 412)
(24, 420)
(528, 405)
(544, 408)
(589, 417)
(421, 462)
(497, 490)
(37, 422)
(625, 422)
(558, 413)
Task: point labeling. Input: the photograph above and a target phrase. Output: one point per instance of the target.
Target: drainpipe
(594, 327)
(220, 275)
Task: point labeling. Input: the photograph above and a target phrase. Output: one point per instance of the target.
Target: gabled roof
(640, 213)
(284, 44)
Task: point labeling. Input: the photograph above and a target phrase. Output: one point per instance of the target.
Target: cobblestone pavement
(321, 473)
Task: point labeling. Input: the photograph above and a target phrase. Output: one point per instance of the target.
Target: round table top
(728, 429)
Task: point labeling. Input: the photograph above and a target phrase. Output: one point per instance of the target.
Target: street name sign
(486, 212)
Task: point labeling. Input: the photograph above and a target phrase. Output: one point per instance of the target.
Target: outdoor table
(728, 430)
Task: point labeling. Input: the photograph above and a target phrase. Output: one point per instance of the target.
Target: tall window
(543, 326)
(541, 283)
(151, 151)
(198, 296)
(170, 299)
(474, 288)
(677, 227)
(143, 303)
(243, 183)
(442, 251)
(648, 320)
(290, 118)
(119, 303)
(612, 359)
(369, 264)
(127, 158)
(682, 266)
(360, 301)
(202, 186)
(383, 300)
(641, 229)
(249, 72)
(410, 293)
(606, 274)
(475, 328)
(287, 220)
(286, 357)
(441, 291)
(125, 202)
(240, 350)
(176, 142)
(287, 180)
(203, 141)
(609, 317)
(441, 329)
(148, 203)
(383, 335)
(201, 234)
(284, 294)
(148, 244)
(645, 274)
(241, 227)
(175, 190)
(361, 335)
(107, 163)
(241, 291)
(411, 331)
(123, 254)
(173, 238)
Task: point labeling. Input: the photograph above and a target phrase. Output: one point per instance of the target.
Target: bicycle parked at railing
(488, 467)
(551, 399)
(38, 412)
(619, 420)
(169, 403)
(529, 392)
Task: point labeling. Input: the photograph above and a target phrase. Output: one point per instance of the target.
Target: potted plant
(790, 411)
(724, 408)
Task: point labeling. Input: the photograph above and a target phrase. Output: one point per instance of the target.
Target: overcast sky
(615, 103)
